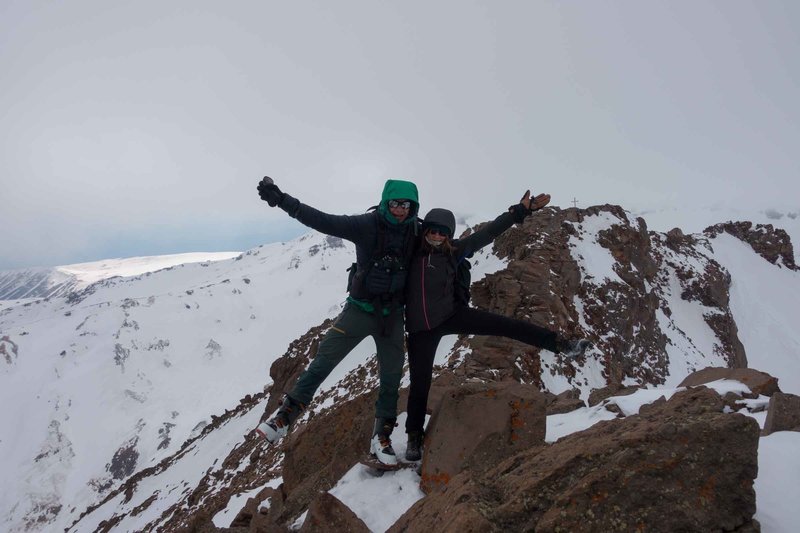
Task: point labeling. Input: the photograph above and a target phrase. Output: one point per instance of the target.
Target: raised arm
(516, 213)
(352, 228)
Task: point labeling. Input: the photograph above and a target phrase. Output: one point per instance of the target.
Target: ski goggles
(403, 204)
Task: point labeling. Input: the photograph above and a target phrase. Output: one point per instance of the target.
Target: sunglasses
(403, 204)
(438, 231)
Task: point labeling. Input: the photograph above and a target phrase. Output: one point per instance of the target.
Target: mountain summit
(135, 398)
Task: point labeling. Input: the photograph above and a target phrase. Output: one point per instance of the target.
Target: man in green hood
(384, 240)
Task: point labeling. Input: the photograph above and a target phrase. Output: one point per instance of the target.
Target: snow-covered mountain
(121, 378)
(32, 283)
(117, 376)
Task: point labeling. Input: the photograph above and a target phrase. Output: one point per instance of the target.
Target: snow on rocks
(170, 348)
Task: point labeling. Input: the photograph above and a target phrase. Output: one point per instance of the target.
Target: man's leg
(349, 329)
(391, 356)
(472, 321)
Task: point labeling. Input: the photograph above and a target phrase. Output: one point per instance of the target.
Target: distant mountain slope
(30, 283)
(35, 283)
(695, 220)
(121, 373)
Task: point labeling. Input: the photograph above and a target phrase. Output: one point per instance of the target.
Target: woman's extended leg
(468, 320)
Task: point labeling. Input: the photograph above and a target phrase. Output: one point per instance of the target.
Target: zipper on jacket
(424, 305)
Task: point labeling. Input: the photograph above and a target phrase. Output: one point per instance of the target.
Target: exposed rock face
(478, 425)
(758, 382)
(773, 244)
(657, 471)
(625, 312)
(783, 413)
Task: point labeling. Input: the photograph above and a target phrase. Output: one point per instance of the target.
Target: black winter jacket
(363, 231)
(430, 292)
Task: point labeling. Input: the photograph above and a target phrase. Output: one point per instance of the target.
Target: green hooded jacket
(393, 190)
(399, 190)
(362, 229)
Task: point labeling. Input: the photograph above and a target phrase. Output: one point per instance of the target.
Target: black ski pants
(466, 320)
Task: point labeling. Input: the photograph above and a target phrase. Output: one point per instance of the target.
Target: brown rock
(783, 413)
(250, 509)
(320, 452)
(658, 471)
(455, 509)
(478, 425)
(758, 382)
(564, 406)
(327, 513)
(598, 395)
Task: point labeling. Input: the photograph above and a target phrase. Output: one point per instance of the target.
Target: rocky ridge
(591, 272)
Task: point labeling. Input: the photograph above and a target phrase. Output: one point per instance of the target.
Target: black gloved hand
(519, 212)
(528, 205)
(269, 192)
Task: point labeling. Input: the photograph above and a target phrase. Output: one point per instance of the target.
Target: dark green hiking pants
(350, 328)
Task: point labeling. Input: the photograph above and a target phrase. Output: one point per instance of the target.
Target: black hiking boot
(277, 426)
(414, 446)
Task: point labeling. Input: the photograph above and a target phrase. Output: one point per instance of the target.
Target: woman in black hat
(437, 305)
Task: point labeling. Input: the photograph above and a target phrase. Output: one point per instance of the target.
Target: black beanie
(440, 217)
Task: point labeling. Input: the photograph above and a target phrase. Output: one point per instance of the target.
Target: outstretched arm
(516, 213)
(352, 228)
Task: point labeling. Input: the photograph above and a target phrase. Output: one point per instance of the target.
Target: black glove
(519, 212)
(269, 192)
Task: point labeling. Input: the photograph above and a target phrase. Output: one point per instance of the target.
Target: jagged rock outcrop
(552, 280)
(660, 470)
(773, 244)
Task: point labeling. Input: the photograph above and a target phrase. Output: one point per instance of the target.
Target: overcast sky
(142, 128)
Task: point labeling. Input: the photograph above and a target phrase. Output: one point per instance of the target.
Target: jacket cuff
(290, 204)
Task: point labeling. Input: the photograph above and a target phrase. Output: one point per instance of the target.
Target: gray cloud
(149, 119)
